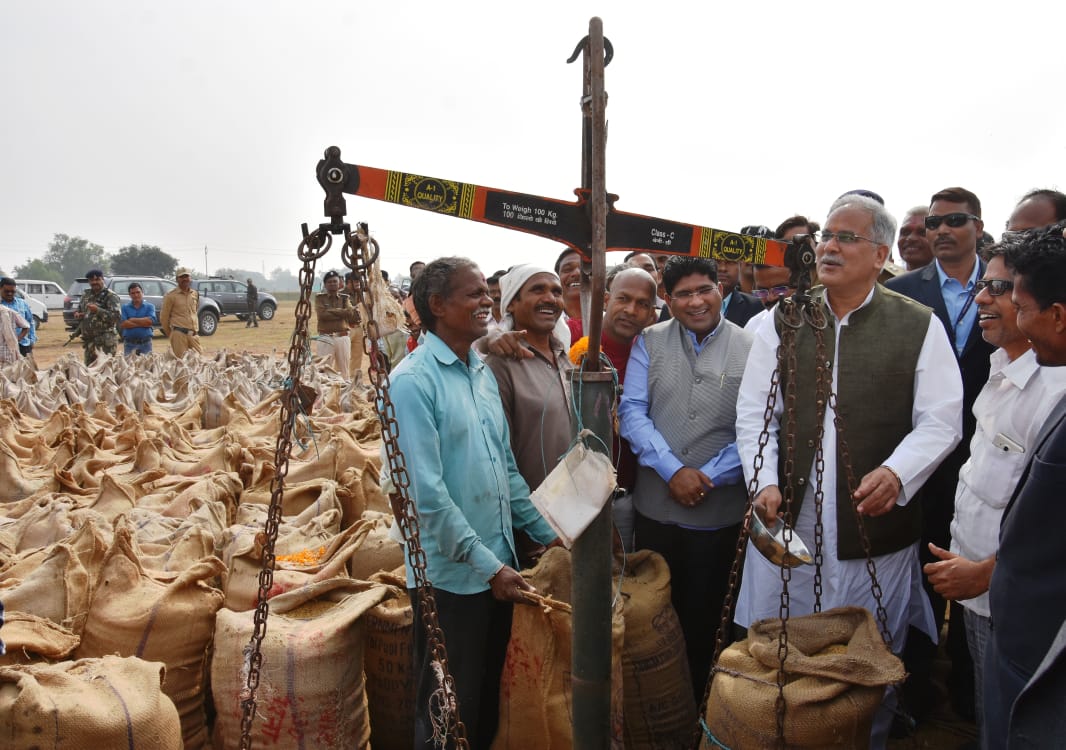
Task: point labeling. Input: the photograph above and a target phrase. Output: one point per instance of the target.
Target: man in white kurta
(850, 256)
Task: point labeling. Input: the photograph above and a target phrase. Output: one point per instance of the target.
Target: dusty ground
(231, 335)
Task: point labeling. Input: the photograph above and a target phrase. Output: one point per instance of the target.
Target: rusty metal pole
(591, 555)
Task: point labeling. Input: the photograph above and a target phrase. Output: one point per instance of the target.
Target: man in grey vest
(678, 412)
(899, 394)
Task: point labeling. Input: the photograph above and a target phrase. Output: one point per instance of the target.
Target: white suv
(48, 292)
(40, 312)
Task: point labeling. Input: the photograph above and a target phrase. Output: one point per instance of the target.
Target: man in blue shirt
(679, 413)
(8, 298)
(467, 491)
(136, 322)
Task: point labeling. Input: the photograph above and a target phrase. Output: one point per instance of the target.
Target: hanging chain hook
(608, 50)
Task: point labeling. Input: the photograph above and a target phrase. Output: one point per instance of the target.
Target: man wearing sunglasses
(1026, 658)
(678, 412)
(1010, 411)
(900, 398)
(953, 227)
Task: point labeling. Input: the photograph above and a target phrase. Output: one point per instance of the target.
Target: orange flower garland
(579, 350)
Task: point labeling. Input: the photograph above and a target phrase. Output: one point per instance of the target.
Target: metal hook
(608, 50)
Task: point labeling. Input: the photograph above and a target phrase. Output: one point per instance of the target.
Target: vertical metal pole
(591, 555)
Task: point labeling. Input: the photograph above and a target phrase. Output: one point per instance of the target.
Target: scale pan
(770, 542)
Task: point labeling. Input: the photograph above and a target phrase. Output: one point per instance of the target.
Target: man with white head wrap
(535, 390)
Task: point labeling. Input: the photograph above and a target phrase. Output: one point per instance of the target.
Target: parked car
(40, 312)
(232, 297)
(48, 292)
(154, 289)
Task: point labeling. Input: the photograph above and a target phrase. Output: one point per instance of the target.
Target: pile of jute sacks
(133, 500)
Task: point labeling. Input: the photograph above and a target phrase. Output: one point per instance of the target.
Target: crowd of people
(923, 425)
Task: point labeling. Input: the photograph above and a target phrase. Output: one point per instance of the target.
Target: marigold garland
(579, 350)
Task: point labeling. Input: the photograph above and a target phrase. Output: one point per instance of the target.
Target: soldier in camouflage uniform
(99, 313)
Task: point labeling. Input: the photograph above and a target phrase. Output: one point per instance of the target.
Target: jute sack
(58, 589)
(29, 638)
(379, 552)
(109, 702)
(157, 616)
(311, 691)
(90, 543)
(325, 559)
(535, 694)
(660, 711)
(388, 667)
(838, 668)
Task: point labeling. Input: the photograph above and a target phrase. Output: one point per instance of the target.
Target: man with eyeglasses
(772, 283)
(953, 227)
(1010, 411)
(678, 413)
(1025, 665)
(899, 396)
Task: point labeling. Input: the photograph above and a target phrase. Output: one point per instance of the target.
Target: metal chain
(726, 622)
(792, 319)
(823, 385)
(359, 256)
(313, 247)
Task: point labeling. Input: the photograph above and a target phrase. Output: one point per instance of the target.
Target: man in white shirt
(900, 398)
(1010, 410)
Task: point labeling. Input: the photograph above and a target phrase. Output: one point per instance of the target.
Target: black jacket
(742, 307)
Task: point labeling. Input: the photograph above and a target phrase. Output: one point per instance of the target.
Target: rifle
(76, 334)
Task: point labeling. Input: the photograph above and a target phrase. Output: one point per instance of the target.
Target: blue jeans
(144, 347)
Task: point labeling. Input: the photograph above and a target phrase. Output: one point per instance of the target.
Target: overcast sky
(192, 124)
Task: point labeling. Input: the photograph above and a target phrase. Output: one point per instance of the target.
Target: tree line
(68, 258)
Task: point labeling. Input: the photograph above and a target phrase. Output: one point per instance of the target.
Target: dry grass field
(231, 335)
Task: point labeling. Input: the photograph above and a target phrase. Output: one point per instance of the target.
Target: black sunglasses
(954, 220)
(995, 287)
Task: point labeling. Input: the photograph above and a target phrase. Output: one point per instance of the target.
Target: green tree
(73, 256)
(38, 269)
(143, 260)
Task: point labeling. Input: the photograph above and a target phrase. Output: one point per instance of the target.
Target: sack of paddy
(172, 544)
(177, 496)
(660, 711)
(379, 552)
(109, 702)
(318, 492)
(303, 555)
(157, 616)
(90, 542)
(535, 702)
(58, 588)
(388, 666)
(311, 690)
(838, 668)
(322, 499)
(29, 639)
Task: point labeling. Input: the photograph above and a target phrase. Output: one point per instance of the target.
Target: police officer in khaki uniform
(178, 318)
(335, 315)
(99, 311)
